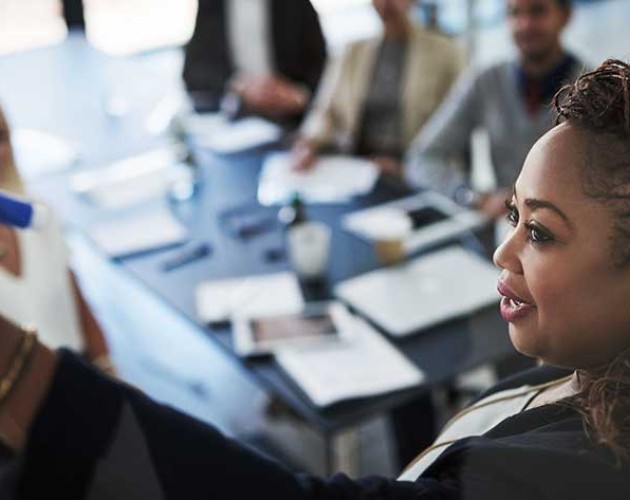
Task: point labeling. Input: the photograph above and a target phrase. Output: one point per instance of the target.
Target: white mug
(309, 248)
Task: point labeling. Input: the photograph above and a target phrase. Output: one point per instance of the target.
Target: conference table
(62, 89)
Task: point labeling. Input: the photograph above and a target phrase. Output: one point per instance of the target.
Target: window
(27, 24)
(124, 27)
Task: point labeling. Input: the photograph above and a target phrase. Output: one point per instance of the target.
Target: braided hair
(599, 102)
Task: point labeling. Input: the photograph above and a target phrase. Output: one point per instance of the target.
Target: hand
(303, 155)
(492, 205)
(271, 95)
(20, 407)
(388, 165)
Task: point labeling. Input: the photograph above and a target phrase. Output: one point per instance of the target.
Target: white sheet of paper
(333, 179)
(363, 365)
(436, 287)
(38, 153)
(221, 300)
(133, 180)
(216, 133)
(144, 230)
(131, 191)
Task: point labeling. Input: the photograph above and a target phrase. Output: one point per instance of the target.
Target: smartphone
(425, 216)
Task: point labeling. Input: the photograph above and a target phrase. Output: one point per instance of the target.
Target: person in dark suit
(557, 432)
(262, 57)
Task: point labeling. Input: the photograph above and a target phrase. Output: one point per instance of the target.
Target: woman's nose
(506, 256)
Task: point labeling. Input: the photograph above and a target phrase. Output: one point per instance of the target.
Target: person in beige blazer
(428, 64)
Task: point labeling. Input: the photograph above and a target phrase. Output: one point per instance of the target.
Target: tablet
(317, 323)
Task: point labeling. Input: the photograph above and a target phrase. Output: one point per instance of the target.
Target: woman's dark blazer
(298, 48)
(95, 438)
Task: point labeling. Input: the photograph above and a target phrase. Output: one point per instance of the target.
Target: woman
(375, 98)
(552, 433)
(35, 283)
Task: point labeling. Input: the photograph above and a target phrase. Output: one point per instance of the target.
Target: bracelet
(18, 364)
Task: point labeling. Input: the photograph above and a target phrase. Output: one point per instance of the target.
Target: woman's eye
(512, 215)
(537, 235)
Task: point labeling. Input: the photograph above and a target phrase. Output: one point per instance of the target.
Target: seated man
(261, 57)
(381, 91)
(510, 100)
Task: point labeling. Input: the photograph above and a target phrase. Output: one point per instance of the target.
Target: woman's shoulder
(541, 464)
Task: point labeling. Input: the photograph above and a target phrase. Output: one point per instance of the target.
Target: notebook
(423, 292)
(363, 364)
(248, 296)
(217, 133)
(152, 228)
(134, 180)
(333, 179)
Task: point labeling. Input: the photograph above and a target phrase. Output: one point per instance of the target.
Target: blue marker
(19, 213)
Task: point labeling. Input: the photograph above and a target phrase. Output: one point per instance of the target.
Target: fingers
(388, 165)
(303, 155)
(270, 95)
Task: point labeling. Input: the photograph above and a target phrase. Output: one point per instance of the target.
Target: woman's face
(392, 10)
(565, 302)
(536, 26)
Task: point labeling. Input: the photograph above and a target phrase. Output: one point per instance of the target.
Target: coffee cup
(309, 249)
(389, 234)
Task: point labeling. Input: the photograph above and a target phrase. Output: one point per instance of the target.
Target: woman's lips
(512, 306)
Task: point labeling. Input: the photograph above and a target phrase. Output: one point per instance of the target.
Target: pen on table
(186, 256)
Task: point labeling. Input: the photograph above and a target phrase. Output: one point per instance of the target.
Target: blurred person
(260, 57)
(36, 285)
(509, 100)
(559, 431)
(379, 93)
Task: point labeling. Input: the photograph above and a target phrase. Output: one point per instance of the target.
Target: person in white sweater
(36, 284)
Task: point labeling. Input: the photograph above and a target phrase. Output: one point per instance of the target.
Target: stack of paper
(333, 179)
(364, 365)
(141, 231)
(134, 180)
(215, 132)
(224, 299)
(408, 298)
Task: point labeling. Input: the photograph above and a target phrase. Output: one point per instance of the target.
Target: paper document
(141, 231)
(38, 153)
(436, 287)
(365, 364)
(433, 218)
(333, 179)
(134, 180)
(224, 299)
(220, 135)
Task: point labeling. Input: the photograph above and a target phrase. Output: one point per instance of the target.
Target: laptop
(423, 292)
